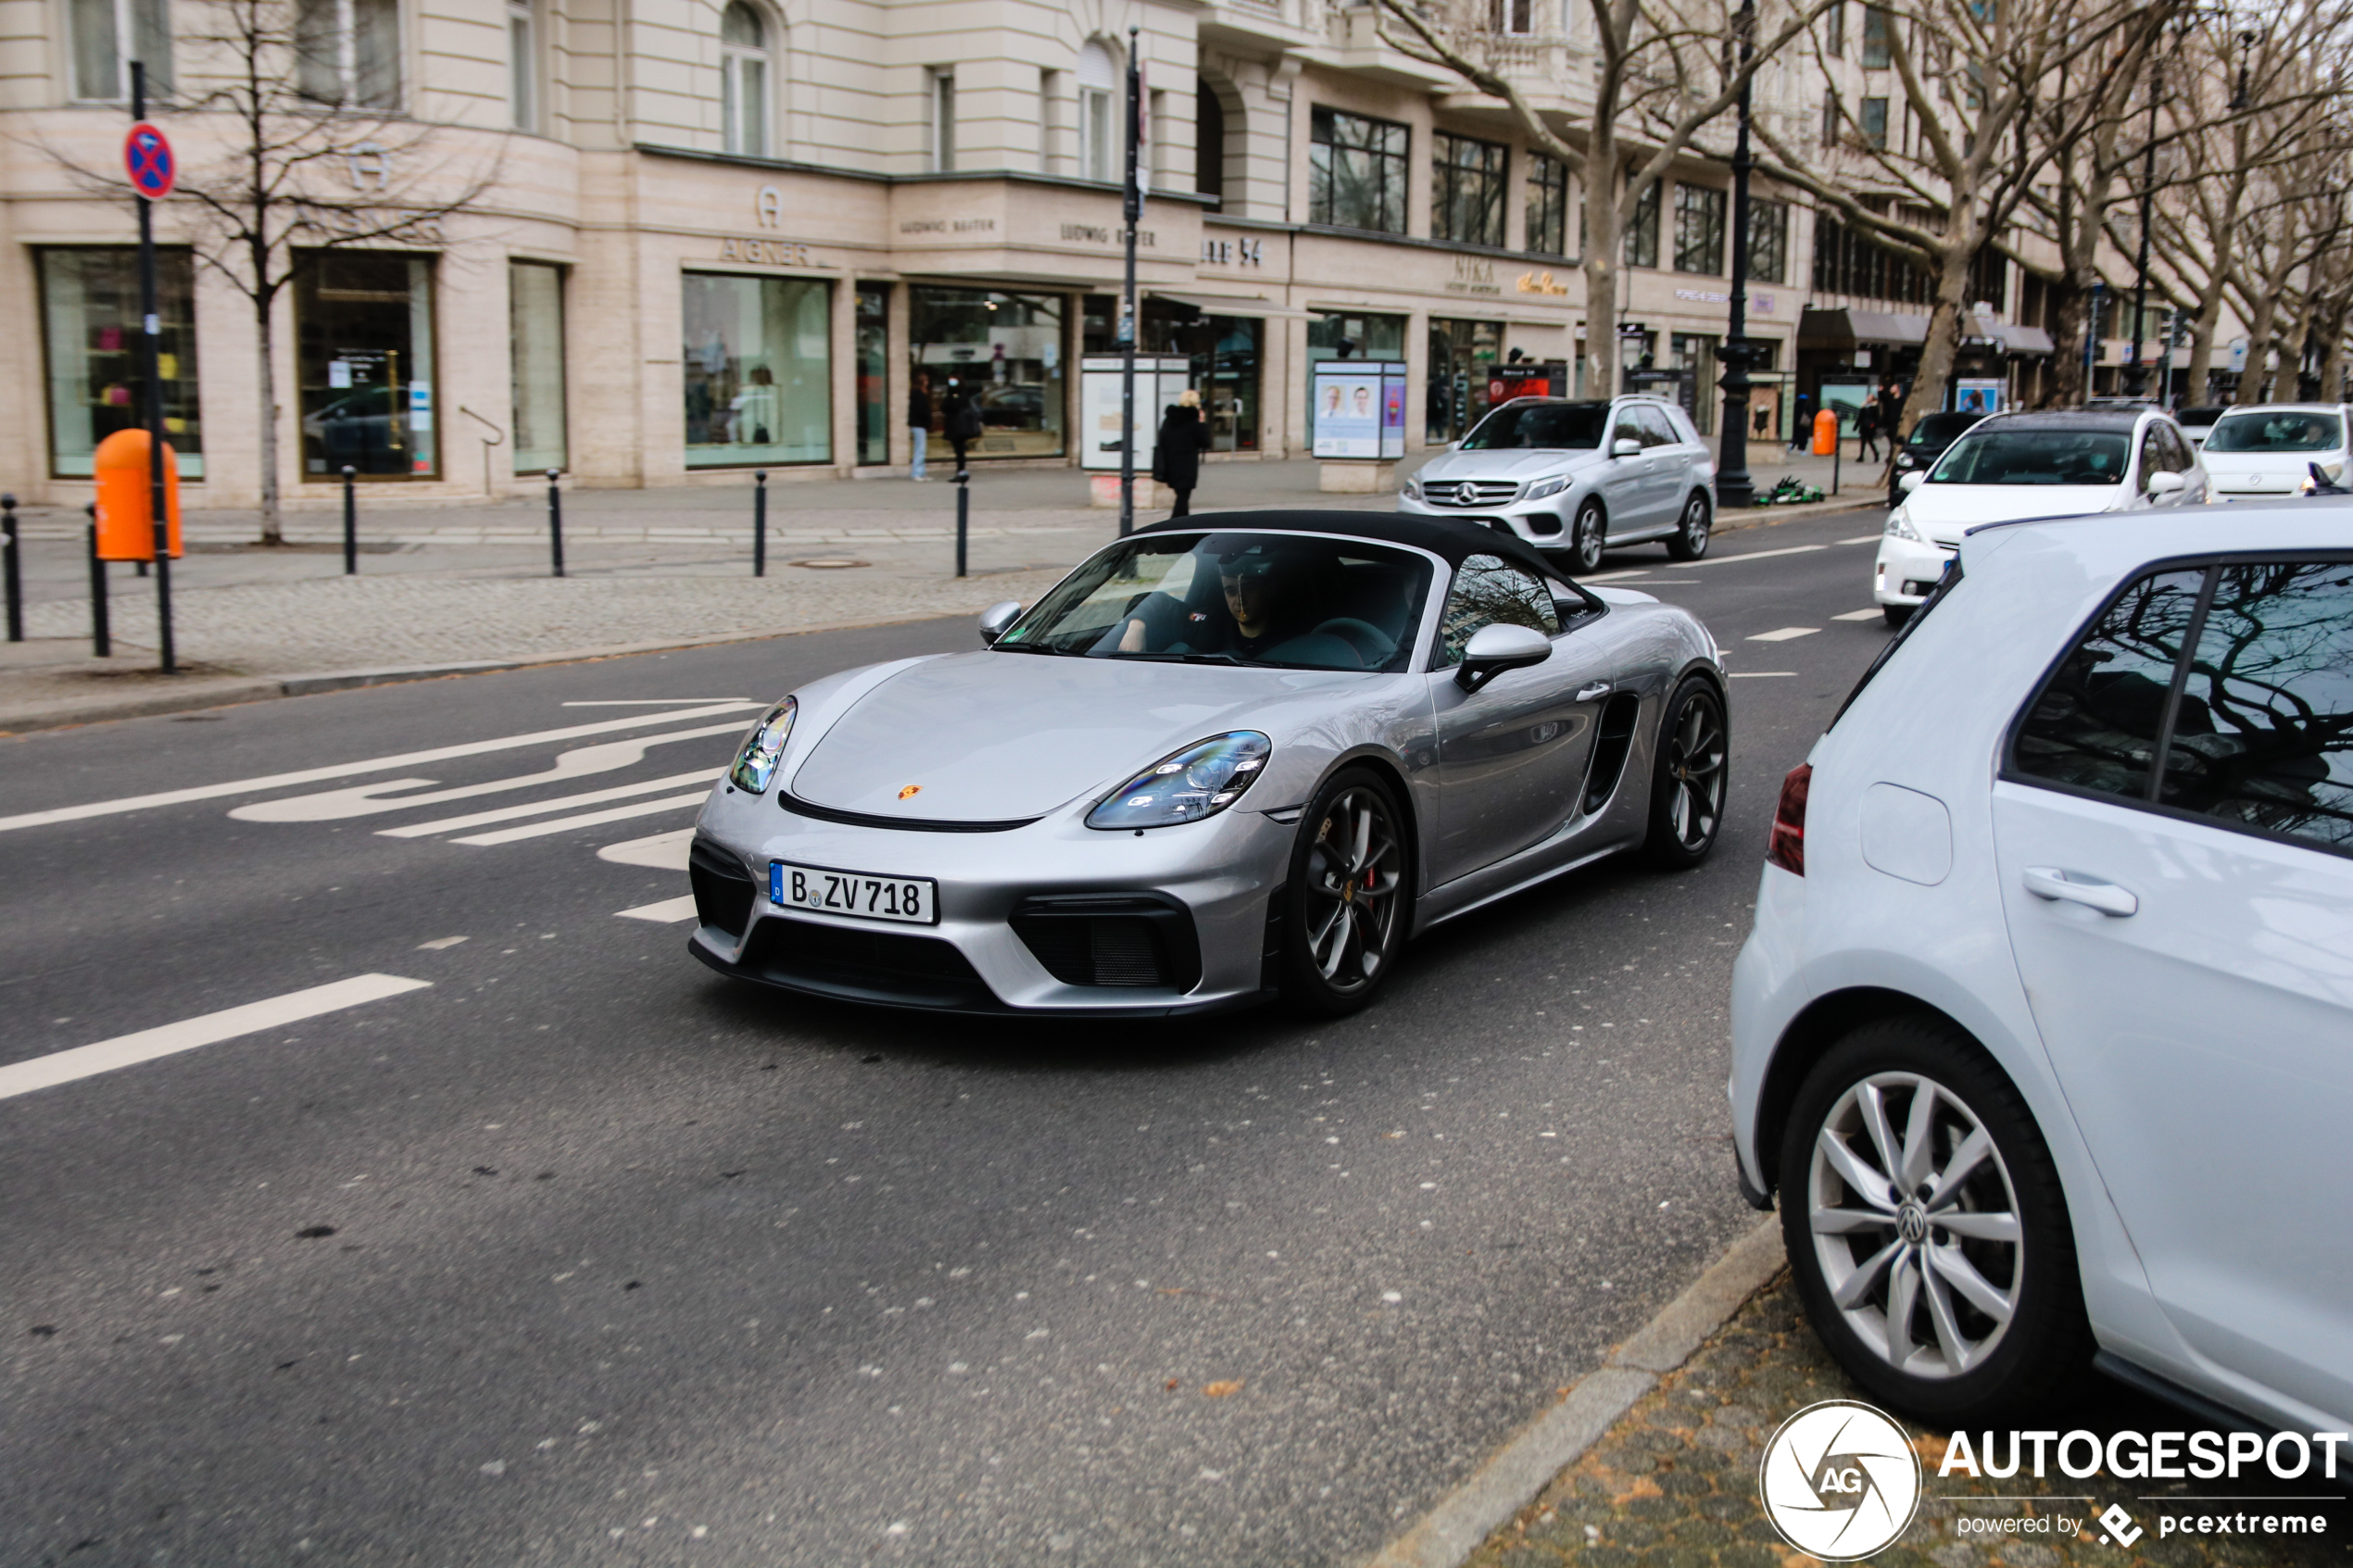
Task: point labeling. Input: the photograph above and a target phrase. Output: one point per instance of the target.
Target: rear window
(1938, 430)
(1550, 427)
(2035, 456)
(2276, 432)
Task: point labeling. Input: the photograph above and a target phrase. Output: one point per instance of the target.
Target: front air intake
(1129, 940)
(724, 890)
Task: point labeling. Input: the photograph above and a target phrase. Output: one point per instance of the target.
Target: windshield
(1277, 600)
(2035, 456)
(1547, 427)
(2276, 432)
(1936, 429)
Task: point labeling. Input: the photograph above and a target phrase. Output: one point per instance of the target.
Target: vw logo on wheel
(1840, 1480)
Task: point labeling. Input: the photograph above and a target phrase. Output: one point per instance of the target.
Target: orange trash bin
(1825, 433)
(126, 525)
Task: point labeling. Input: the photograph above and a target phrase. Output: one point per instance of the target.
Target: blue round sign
(146, 157)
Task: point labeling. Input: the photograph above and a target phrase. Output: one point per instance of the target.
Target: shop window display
(364, 366)
(1001, 350)
(535, 313)
(90, 329)
(759, 370)
(1225, 353)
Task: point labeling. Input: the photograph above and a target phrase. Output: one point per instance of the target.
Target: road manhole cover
(830, 563)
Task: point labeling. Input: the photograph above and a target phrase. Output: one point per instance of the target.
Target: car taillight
(1787, 847)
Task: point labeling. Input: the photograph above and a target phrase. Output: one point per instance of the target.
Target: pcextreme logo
(1840, 1480)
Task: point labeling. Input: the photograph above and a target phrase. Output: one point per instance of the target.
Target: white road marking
(1762, 674)
(127, 1050)
(541, 808)
(668, 912)
(1785, 634)
(347, 770)
(366, 801)
(656, 702)
(1619, 576)
(440, 941)
(1755, 555)
(662, 852)
(585, 820)
(1864, 539)
(1871, 614)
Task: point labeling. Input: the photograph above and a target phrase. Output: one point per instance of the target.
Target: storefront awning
(1235, 305)
(1851, 329)
(2010, 337)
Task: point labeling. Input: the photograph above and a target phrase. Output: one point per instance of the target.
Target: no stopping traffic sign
(146, 157)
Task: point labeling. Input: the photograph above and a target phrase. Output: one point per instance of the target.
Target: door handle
(2049, 882)
(1599, 688)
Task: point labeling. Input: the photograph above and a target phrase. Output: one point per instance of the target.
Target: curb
(1514, 1475)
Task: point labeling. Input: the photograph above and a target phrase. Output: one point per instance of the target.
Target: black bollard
(350, 525)
(556, 522)
(14, 573)
(963, 514)
(760, 523)
(101, 631)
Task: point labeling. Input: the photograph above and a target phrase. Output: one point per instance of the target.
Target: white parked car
(2270, 449)
(2016, 465)
(2044, 1033)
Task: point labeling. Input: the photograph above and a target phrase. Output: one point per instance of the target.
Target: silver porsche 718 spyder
(1228, 759)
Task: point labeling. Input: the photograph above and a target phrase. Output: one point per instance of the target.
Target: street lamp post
(1733, 487)
(1132, 207)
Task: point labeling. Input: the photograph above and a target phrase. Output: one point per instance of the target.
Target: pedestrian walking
(1184, 436)
(1800, 424)
(919, 424)
(1867, 426)
(962, 421)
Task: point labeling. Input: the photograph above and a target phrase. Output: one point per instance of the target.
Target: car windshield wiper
(1024, 648)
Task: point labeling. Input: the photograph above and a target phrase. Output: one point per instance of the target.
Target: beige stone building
(723, 236)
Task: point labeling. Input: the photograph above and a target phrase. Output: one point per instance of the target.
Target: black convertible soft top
(1452, 538)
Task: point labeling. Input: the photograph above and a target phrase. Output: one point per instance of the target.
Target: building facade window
(758, 356)
(1350, 335)
(1226, 355)
(364, 366)
(90, 338)
(743, 80)
(1513, 18)
(109, 35)
(1875, 50)
(1641, 230)
(522, 65)
(1768, 240)
(1467, 190)
(1875, 124)
(1699, 228)
(348, 52)
(1100, 154)
(1547, 205)
(874, 373)
(1461, 355)
(1003, 351)
(1834, 30)
(536, 319)
(1356, 171)
(941, 114)
(1209, 145)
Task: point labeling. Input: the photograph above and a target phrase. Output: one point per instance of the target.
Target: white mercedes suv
(2044, 1033)
(1577, 477)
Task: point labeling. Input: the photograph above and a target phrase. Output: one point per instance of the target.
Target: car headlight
(1542, 488)
(1187, 785)
(1905, 460)
(1412, 489)
(756, 763)
(1899, 526)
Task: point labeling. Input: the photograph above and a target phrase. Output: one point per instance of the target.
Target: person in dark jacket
(919, 424)
(1184, 436)
(962, 421)
(1867, 420)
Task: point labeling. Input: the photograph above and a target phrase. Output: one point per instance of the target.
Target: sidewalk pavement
(447, 589)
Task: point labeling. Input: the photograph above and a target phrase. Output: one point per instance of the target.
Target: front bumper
(1543, 523)
(1907, 573)
(1049, 918)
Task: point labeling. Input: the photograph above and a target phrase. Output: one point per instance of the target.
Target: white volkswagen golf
(2045, 1033)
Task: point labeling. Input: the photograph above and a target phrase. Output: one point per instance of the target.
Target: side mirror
(996, 619)
(1911, 482)
(1493, 649)
(2167, 484)
(1625, 447)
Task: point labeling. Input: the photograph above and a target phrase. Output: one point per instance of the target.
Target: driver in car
(1264, 607)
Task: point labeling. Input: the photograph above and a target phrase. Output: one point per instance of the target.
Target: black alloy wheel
(1346, 904)
(1588, 537)
(1927, 1231)
(1689, 542)
(1689, 774)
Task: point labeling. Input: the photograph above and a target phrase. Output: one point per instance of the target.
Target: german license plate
(912, 900)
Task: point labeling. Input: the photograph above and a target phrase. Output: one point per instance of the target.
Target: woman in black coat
(1184, 436)
(961, 420)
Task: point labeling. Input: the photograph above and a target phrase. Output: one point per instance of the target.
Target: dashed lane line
(349, 770)
(670, 912)
(1786, 633)
(541, 808)
(660, 851)
(1874, 613)
(1753, 555)
(1864, 539)
(127, 1050)
(587, 820)
(1762, 674)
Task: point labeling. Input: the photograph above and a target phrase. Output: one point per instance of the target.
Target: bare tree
(1658, 79)
(294, 156)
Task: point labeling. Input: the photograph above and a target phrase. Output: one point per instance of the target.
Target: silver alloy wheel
(1354, 874)
(1695, 526)
(1916, 1232)
(1589, 538)
(1695, 761)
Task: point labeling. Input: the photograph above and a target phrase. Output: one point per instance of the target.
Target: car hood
(2265, 470)
(1506, 463)
(1944, 513)
(1002, 736)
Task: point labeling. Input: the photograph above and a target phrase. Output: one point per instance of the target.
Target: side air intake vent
(1611, 745)
(1125, 939)
(724, 890)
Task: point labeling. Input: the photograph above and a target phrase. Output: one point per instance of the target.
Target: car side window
(2095, 723)
(1627, 426)
(1657, 432)
(2264, 735)
(1491, 591)
(2178, 453)
(2152, 455)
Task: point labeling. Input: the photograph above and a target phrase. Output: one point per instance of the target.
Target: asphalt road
(575, 1252)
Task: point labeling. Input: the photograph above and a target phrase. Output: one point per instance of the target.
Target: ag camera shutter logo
(1840, 1480)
